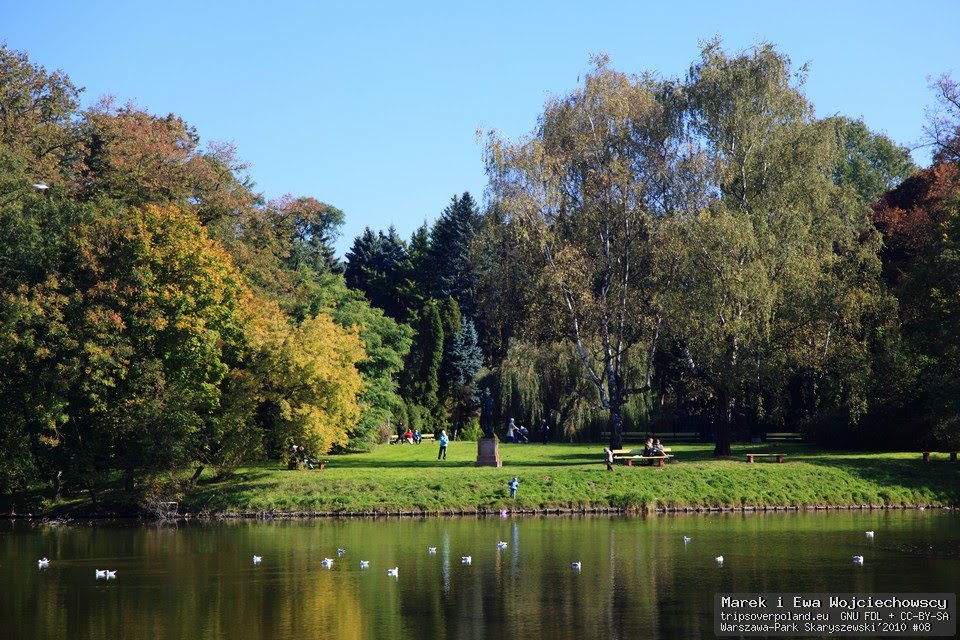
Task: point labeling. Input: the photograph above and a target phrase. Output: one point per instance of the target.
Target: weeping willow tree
(546, 382)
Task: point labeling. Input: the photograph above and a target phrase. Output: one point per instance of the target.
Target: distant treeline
(657, 252)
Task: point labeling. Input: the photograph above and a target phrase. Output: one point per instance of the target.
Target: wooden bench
(778, 456)
(926, 455)
(426, 436)
(629, 456)
(791, 436)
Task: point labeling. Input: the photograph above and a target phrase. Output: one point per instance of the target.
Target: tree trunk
(196, 475)
(616, 424)
(724, 426)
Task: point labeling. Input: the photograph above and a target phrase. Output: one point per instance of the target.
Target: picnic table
(629, 456)
(778, 456)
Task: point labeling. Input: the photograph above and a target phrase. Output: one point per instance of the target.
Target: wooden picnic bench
(778, 456)
(426, 436)
(926, 455)
(629, 456)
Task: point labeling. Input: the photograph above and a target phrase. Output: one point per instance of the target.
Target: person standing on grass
(510, 431)
(514, 485)
(443, 445)
(608, 456)
(544, 431)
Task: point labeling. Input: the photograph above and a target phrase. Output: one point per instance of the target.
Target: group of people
(298, 455)
(406, 435)
(653, 448)
(520, 434)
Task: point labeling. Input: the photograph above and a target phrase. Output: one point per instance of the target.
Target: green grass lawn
(409, 478)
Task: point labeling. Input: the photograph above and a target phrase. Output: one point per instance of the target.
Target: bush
(471, 431)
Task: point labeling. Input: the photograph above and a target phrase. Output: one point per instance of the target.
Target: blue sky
(374, 107)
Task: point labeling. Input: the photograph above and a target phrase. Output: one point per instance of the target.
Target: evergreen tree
(449, 264)
(378, 265)
(465, 360)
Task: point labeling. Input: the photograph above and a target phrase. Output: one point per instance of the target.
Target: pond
(638, 578)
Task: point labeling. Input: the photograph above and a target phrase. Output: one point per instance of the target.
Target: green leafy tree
(871, 163)
(587, 191)
(779, 273)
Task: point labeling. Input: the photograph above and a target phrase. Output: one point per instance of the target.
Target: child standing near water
(514, 485)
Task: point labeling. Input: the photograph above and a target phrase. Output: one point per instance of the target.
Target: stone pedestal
(488, 453)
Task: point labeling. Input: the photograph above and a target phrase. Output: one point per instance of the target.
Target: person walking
(443, 445)
(514, 485)
(608, 457)
(544, 431)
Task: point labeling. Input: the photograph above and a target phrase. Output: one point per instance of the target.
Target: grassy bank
(409, 478)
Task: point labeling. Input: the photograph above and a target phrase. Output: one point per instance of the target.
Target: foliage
(310, 382)
(870, 163)
(588, 191)
(943, 120)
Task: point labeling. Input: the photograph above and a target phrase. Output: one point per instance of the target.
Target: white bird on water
(869, 534)
(340, 552)
(257, 559)
(100, 573)
(364, 564)
(857, 559)
(466, 559)
(431, 549)
(43, 562)
(719, 560)
(575, 565)
(395, 572)
(327, 562)
(686, 539)
(111, 574)
(501, 545)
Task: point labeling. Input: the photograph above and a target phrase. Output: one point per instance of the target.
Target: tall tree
(378, 265)
(780, 270)
(943, 120)
(587, 190)
(450, 270)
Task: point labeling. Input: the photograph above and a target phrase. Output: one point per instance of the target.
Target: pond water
(637, 579)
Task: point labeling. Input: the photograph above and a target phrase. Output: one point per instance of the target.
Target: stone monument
(488, 453)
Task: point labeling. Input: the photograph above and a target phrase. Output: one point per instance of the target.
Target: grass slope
(409, 478)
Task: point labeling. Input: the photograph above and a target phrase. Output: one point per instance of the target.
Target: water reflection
(638, 578)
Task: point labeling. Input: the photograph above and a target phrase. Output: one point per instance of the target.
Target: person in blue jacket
(514, 485)
(443, 445)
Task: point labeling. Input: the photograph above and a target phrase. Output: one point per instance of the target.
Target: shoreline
(469, 513)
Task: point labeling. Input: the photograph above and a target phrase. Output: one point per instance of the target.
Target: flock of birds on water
(107, 574)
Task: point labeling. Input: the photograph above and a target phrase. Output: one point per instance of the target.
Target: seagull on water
(257, 559)
(857, 559)
(100, 573)
(686, 539)
(364, 564)
(43, 562)
(327, 562)
(466, 559)
(719, 560)
(869, 534)
(431, 549)
(575, 565)
(111, 574)
(340, 552)
(395, 572)
(501, 545)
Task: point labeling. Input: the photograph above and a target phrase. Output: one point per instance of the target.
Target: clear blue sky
(374, 107)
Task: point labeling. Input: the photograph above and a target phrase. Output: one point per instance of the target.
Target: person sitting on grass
(408, 436)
